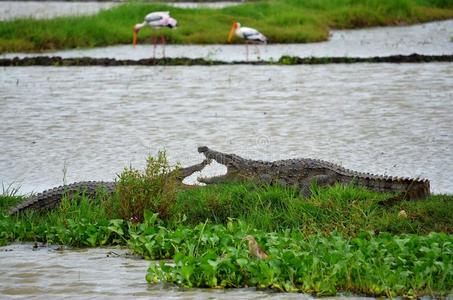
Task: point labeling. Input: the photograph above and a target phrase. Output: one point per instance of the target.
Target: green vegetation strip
(215, 256)
(56, 61)
(282, 21)
(338, 240)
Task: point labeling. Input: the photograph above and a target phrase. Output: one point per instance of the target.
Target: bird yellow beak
(134, 38)
(230, 35)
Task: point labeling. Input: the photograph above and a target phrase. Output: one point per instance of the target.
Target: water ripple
(92, 122)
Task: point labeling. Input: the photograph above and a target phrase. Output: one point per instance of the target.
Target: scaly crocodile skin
(302, 172)
(51, 198)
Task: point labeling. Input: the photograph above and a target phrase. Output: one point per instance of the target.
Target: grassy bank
(345, 210)
(341, 239)
(283, 21)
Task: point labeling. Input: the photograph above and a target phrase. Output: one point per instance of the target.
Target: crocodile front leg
(319, 180)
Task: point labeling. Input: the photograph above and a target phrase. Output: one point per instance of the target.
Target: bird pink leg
(247, 50)
(258, 51)
(162, 39)
(154, 41)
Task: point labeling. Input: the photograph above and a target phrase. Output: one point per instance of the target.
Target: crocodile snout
(203, 149)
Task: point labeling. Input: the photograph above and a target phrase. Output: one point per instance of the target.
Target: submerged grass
(338, 240)
(282, 21)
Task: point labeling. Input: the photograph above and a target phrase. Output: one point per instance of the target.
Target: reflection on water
(92, 121)
(429, 39)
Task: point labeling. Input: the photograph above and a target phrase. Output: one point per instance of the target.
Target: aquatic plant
(323, 265)
(216, 256)
(282, 21)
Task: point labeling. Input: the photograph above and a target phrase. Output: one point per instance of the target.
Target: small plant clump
(154, 188)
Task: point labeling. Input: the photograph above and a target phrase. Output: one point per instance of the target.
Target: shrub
(153, 189)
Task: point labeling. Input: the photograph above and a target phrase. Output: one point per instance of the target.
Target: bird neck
(140, 26)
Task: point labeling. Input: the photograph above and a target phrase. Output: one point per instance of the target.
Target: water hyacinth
(370, 265)
(216, 256)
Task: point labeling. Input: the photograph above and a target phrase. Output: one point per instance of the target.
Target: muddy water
(88, 123)
(98, 273)
(49, 9)
(429, 39)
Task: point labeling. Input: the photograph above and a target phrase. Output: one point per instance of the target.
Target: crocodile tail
(51, 198)
(418, 189)
(408, 188)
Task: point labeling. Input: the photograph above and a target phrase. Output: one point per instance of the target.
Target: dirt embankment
(284, 60)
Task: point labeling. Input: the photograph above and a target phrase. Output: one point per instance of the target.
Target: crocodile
(50, 198)
(300, 173)
(303, 172)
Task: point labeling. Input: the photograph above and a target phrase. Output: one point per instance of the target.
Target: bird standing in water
(250, 35)
(155, 20)
(254, 248)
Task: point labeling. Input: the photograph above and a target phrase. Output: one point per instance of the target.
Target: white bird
(155, 20)
(250, 35)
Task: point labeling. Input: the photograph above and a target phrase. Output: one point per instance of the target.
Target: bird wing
(247, 31)
(156, 16)
(252, 34)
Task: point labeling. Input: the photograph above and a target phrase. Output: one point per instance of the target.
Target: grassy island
(282, 21)
(339, 240)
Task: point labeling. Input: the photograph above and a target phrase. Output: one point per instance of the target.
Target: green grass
(348, 210)
(282, 21)
(80, 223)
